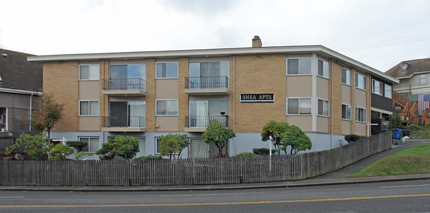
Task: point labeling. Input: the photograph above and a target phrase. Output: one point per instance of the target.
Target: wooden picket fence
(189, 171)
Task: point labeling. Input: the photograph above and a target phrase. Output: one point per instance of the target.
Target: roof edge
(18, 91)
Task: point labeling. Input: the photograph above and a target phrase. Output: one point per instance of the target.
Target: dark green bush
(77, 144)
(262, 151)
(353, 138)
(155, 157)
(245, 155)
(413, 127)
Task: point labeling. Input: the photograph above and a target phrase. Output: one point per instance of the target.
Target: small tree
(218, 135)
(50, 113)
(60, 151)
(295, 139)
(122, 146)
(169, 145)
(395, 121)
(36, 147)
(180, 139)
(275, 130)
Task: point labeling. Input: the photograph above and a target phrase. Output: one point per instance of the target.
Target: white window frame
(325, 72)
(299, 100)
(89, 105)
(98, 73)
(374, 82)
(362, 87)
(388, 94)
(165, 62)
(357, 112)
(156, 107)
(299, 58)
(423, 79)
(156, 142)
(326, 104)
(89, 141)
(347, 77)
(347, 107)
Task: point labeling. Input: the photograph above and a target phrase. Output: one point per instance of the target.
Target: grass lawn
(415, 160)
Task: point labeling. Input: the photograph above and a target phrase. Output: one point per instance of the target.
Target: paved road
(402, 196)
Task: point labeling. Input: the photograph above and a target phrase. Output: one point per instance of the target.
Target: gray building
(20, 90)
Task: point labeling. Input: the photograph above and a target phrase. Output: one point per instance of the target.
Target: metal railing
(206, 82)
(124, 121)
(204, 121)
(124, 84)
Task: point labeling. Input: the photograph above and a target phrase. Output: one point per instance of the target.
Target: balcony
(200, 123)
(210, 85)
(124, 124)
(124, 87)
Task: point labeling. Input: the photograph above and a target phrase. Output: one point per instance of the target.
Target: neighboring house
(412, 94)
(20, 88)
(149, 94)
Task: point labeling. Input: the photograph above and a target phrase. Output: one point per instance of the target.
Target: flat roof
(322, 50)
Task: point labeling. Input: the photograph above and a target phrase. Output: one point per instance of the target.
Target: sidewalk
(337, 177)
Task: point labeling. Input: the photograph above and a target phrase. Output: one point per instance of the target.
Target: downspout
(234, 101)
(331, 108)
(31, 107)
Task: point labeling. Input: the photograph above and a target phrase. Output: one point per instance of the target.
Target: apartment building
(149, 94)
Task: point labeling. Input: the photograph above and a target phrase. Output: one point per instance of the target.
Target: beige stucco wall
(322, 88)
(346, 127)
(299, 86)
(322, 124)
(89, 90)
(360, 98)
(89, 123)
(360, 129)
(302, 121)
(166, 123)
(346, 94)
(166, 88)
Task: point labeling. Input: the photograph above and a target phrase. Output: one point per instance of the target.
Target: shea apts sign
(252, 98)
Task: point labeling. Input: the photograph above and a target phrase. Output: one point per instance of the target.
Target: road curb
(288, 184)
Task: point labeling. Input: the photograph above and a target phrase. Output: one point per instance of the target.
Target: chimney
(256, 41)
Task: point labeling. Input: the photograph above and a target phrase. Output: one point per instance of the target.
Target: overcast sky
(379, 33)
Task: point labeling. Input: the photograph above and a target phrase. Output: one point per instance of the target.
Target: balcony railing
(124, 121)
(204, 121)
(209, 82)
(124, 84)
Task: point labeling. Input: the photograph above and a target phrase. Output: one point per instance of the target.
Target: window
(346, 111)
(360, 81)
(346, 76)
(157, 145)
(299, 66)
(208, 75)
(423, 79)
(205, 112)
(388, 91)
(296, 106)
(166, 107)
(376, 87)
(1, 80)
(322, 68)
(89, 108)
(323, 107)
(92, 144)
(360, 114)
(89, 72)
(167, 70)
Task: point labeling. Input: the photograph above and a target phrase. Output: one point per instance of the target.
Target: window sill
(324, 116)
(365, 90)
(327, 78)
(299, 114)
(349, 85)
(344, 119)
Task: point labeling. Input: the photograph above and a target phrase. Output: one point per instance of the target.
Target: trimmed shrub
(143, 158)
(353, 138)
(77, 144)
(245, 155)
(262, 151)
